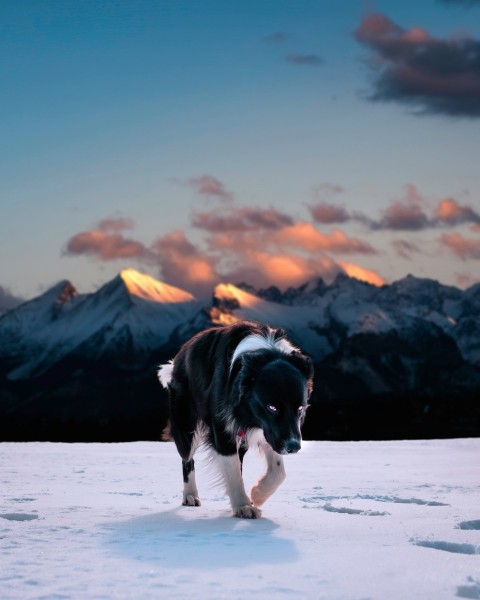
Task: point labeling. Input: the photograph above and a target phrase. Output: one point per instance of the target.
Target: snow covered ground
(380, 520)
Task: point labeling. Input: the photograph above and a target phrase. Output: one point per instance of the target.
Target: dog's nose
(292, 446)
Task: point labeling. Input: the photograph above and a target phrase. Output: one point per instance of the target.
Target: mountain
(321, 316)
(125, 320)
(412, 346)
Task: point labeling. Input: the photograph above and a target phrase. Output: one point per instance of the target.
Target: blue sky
(128, 126)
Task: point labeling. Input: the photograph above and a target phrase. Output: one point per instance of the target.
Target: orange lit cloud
(450, 212)
(306, 236)
(260, 269)
(460, 246)
(183, 264)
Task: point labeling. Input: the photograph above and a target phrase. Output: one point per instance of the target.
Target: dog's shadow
(177, 539)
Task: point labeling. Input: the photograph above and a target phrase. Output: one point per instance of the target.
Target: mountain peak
(229, 294)
(147, 288)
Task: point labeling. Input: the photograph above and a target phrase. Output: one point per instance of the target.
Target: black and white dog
(233, 387)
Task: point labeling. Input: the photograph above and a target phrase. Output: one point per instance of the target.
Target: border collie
(231, 388)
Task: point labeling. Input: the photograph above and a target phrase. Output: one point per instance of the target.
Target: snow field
(352, 520)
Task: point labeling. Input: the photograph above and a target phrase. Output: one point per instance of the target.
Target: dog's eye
(272, 408)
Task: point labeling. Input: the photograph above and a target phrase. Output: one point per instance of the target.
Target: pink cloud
(405, 249)
(241, 219)
(206, 185)
(116, 224)
(327, 213)
(405, 214)
(460, 246)
(465, 280)
(105, 246)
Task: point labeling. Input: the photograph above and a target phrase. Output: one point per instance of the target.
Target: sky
(264, 141)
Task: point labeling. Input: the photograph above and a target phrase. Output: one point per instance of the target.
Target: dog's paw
(247, 512)
(191, 501)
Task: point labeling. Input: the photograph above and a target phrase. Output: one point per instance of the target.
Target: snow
(146, 287)
(352, 520)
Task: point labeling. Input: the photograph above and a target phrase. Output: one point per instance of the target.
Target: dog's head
(273, 396)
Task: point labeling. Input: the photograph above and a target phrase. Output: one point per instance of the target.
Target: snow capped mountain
(137, 314)
(91, 358)
(349, 307)
(131, 315)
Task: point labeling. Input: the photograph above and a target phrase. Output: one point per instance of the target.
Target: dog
(233, 387)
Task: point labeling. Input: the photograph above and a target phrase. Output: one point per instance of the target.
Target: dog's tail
(165, 373)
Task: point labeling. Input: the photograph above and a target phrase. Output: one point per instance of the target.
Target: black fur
(225, 403)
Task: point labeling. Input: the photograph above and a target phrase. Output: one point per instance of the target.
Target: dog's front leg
(274, 476)
(231, 470)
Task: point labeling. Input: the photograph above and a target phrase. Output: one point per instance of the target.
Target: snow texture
(352, 520)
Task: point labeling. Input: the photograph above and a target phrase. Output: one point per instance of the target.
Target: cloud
(105, 246)
(309, 60)
(262, 246)
(116, 224)
(278, 37)
(450, 212)
(206, 185)
(462, 247)
(241, 219)
(405, 214)
(305, 236)
(328, 214)
(182, 264)
(465, 280)
(261, 268)
(433, 75)
(405, 249)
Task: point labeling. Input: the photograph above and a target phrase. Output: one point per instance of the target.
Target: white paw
(191, 501)
(247, 512)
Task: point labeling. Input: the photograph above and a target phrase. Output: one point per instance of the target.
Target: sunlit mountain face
(150, 289)
(410, 349)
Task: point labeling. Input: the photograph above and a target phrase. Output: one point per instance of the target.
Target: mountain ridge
(93, 357)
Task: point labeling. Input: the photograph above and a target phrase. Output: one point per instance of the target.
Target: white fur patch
(256, 341)
(165, 373)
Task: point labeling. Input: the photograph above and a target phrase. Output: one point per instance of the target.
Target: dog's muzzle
(292, 446)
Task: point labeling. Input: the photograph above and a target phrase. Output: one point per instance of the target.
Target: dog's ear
(239, 377)
(304, 364)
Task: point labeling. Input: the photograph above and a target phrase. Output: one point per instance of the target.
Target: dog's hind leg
(190, 492)
(274, 476)
(186, 439)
